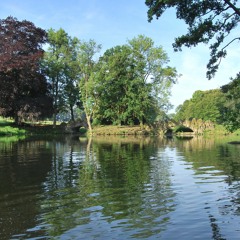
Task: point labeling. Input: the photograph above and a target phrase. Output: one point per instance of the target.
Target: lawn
(7, 128)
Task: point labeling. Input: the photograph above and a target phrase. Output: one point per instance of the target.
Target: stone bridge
(194, 126)
(73, 127)
(198, 125)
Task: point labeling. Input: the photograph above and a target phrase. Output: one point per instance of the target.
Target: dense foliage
(86, 55)
(62, 71)
(132, 83)
(205, 105)
(206, 20)
(23, 87)
(129, 84)
(231, 110)
(219, 106)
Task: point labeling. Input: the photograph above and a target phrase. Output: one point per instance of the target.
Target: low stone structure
(74, 126)
(198, 126)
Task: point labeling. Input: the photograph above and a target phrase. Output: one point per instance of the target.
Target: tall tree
(72, 73)
(61, 68)
(152, 69)
(206, 20)
(86, 57)
(23, 87)
(116, 86)
(133, 82)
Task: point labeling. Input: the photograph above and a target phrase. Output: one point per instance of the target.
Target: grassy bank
(121, 130)
(8, 128)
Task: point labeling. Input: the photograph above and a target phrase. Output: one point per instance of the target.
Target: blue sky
(112, 23)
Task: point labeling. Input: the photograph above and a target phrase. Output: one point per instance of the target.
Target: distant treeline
(220, 106)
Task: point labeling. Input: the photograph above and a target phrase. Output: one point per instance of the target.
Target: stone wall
(198, 125)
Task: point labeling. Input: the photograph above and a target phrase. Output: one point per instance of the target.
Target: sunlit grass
(43, 122)
(120, 130)
(8, 130)
(5, 121)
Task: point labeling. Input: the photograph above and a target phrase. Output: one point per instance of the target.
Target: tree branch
(237, 10)
(238, 38)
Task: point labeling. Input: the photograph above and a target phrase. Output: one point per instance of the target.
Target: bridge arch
(183, 129)
(178, 130)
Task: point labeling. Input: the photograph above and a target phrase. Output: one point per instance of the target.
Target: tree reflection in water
(119, 188)
(215, 229)
(117, 184)
(23, 168)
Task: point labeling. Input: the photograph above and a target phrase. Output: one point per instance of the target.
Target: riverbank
(122, 130)
(8, 128)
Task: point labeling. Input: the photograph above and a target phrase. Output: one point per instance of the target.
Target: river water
(119, 188)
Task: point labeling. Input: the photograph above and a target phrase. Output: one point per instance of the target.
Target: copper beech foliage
(23, 88)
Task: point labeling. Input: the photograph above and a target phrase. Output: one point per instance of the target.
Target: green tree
(181, 111)
(61, 68)
(72, 75)
(153, 71)
(86, 58)
(23, 88)
(205, 105)
(231, 110)
(133, 82)
(118, 87)
(206, 20)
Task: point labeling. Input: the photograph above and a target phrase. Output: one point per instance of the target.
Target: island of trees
(129, 84)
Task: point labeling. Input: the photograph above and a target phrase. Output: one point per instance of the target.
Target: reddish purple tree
(23, 88)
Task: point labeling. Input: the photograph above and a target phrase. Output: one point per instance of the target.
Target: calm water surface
(119, 188)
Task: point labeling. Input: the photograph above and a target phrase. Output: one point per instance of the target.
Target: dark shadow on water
(215, 229)
(24, 165)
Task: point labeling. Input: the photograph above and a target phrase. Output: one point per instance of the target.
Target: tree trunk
(141, 123)
(72, 114)
(89, 122)
(54, 118)
(55, 106)
(16, 119)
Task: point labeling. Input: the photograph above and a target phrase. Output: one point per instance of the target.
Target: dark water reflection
(119, 188)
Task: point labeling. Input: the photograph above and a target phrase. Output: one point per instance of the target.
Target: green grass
(9, 130)
(5, 122)
(120, 130)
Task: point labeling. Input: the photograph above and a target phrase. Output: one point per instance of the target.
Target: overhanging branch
(238, 38)
(237, 10)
